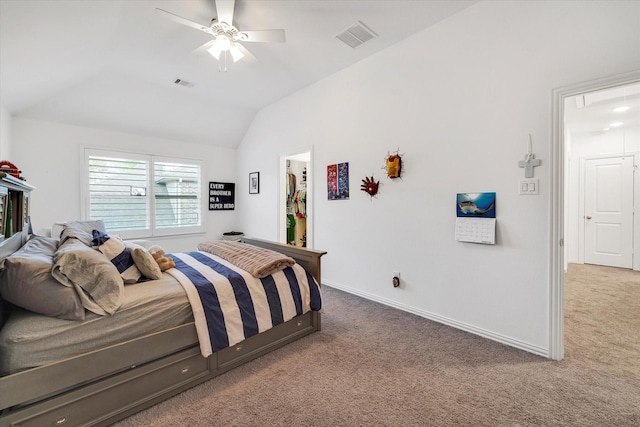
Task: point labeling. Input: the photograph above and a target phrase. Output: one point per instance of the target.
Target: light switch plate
(529, 186)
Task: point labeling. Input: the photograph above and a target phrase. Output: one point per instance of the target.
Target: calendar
(476, 230)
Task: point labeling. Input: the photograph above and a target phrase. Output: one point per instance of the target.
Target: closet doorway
(296, 201)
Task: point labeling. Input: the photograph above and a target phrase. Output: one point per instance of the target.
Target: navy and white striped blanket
(230, 305)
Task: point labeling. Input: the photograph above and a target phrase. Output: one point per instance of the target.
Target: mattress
(28, 339)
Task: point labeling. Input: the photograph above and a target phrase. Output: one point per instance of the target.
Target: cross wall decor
(529, 161)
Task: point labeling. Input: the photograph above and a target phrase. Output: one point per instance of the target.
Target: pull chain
(225, 63)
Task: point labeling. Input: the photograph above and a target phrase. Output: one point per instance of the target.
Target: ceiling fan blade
(184, 21)
(203, 49)
(248, 56)
(276, 36)
(224, 8)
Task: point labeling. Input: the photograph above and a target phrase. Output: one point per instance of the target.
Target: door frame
(559, 180)
(282, 195)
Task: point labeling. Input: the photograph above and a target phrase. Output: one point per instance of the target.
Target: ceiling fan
(226, 37)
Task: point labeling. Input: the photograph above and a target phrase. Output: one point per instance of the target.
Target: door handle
(588, 217)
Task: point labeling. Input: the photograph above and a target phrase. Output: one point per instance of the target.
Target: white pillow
(89, 225)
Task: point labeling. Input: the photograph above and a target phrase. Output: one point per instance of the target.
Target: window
(141, 195)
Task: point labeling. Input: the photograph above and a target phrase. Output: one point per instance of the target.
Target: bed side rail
(37, 383)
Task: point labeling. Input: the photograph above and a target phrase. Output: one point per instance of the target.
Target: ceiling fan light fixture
(223, 42)
(225, 35)
(236, 53)
(215, 51)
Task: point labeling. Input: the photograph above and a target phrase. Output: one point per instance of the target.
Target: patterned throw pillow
(144, 261)
(120, 256)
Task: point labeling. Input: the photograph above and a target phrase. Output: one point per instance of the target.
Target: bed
(127, 372)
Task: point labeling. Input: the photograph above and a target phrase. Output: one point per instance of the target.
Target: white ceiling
(592, 113)
(112, 64)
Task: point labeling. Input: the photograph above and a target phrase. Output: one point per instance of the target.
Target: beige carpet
(602, 319)
(372, 365)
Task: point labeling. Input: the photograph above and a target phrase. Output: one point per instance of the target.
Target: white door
(608, 211)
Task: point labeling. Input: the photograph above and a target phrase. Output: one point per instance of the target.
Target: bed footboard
(308, 258)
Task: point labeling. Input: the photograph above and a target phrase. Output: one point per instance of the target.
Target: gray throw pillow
(95, 279)
(26, 281)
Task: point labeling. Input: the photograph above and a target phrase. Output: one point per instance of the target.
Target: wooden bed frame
(106, 385)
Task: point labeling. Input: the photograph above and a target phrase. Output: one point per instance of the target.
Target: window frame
(151, 159)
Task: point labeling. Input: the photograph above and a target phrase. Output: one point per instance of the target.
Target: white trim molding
(502, 339)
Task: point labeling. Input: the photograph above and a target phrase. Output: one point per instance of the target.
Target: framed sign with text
(222, 196)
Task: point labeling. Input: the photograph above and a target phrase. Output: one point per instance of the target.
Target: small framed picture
(254, 182)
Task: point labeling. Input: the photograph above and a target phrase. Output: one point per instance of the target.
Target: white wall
(459, 100)
(49, 155)
(5, 134)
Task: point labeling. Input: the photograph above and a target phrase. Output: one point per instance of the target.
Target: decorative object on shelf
(254, 183)
(370, 186)
(10, 168)
(338, 181)
(393, 164)
(529, 161)
(233, 236)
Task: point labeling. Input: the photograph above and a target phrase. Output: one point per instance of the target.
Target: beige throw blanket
(259, 262)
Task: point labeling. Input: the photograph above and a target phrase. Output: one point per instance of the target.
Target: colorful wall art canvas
(338, 181)
(477, 205)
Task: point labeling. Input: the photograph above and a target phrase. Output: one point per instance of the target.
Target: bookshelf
(14, 205)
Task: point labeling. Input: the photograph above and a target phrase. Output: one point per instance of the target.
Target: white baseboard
(503, 339)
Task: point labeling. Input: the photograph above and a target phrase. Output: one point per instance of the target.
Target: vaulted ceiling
(113, 64)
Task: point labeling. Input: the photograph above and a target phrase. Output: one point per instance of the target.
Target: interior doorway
(567, 187)
(296, 199)
(601, 148)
